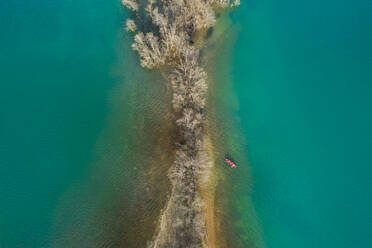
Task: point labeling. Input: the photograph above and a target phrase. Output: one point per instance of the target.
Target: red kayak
(231, 163)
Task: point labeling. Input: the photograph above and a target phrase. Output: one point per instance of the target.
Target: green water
(79, 120)
(56, 67)
(79, 123)
(303, 79)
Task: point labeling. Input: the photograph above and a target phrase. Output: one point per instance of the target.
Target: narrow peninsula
(169, 37)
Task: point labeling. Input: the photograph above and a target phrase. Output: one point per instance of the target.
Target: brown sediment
(171, 35)
(207, 184)
(208, 189)
(110, 209)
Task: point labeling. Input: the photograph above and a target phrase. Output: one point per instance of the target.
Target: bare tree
(130, 4)
(130, 25)
(169, 44)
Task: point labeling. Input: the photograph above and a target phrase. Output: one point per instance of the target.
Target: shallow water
(86, 134)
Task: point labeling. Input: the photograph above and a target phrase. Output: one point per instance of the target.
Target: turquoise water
(56, 63)
(301, 74)
(303, 79)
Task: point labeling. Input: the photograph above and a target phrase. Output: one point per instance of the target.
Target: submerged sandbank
(169, 38)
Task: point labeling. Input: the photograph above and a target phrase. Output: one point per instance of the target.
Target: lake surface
(69, 88)
(302, 72)
(57, 61)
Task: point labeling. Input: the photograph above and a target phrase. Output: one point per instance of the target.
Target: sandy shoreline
(206, 189)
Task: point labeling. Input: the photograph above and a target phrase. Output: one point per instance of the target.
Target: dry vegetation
(164, 40)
